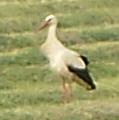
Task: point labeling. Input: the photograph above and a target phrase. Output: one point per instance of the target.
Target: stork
(68, 64)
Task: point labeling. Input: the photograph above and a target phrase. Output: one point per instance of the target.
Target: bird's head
(49, 20)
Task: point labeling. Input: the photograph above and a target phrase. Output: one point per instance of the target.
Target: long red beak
(45, 24)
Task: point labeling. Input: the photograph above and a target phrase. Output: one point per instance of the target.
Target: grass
(28, 89)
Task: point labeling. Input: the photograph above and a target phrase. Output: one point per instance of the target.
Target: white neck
(52, 33)
(52, 43)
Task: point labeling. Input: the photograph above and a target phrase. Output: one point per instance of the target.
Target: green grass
(28, 89)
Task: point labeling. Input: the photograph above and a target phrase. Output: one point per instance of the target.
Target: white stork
(69, 65)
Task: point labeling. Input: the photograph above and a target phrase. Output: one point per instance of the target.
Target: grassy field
(28, 89)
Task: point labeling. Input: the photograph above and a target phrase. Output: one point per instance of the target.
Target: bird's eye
(49, 19)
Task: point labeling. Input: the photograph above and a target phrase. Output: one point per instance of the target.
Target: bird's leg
(67, 91)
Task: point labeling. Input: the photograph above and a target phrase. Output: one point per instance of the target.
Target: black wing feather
(83, 74)
(85, 59)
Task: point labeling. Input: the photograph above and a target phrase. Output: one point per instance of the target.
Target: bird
(69, 65)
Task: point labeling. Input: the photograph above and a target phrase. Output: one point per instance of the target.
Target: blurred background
(28, 89)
